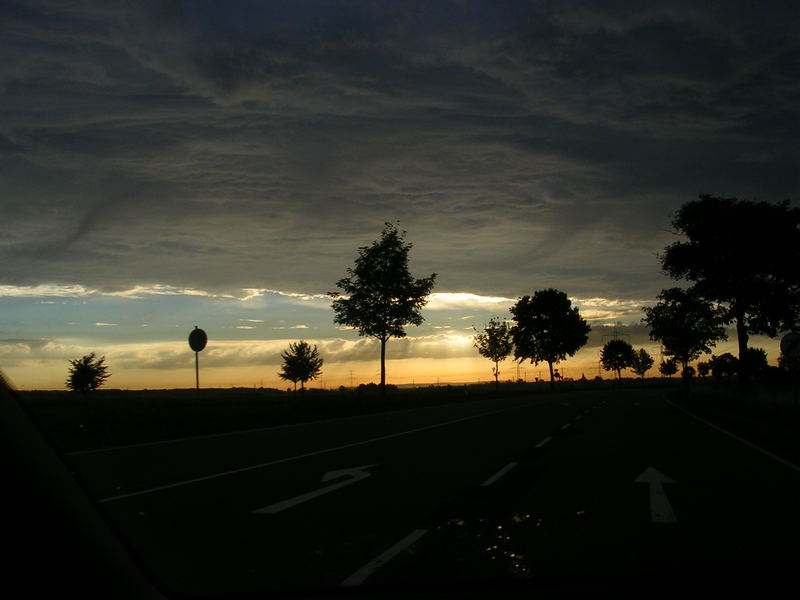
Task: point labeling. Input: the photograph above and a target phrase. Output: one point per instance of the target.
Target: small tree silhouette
(642, 363)
(87, 373)
(668, 367)
(301, 363)
(495, 343)
(617, 355)
(756, 359)
(703, 368)
(724, 365)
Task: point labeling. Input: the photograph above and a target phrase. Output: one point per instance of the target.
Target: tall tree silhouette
(744, 256)
(617, 355)
(686, 324)
(301, 363)
(380, 297)
(547, 328)
(495, 343)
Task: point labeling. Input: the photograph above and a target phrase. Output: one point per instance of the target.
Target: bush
(375, 388)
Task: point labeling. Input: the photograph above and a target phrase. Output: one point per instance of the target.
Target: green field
(767, 415)
(117, 417)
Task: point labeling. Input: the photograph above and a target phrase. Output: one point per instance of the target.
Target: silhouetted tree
(756, 359)
(703, 368)
(495, 343)
(789, 363)
(668, 367)
(547, 328)
(617, 355)
(379, 295)
(87, 373)
(642, 362)
(301, 363)
(743, 255)
(686, 324)
(724, 365)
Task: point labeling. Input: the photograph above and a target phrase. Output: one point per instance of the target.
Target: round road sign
(790, 345)
(197, 339)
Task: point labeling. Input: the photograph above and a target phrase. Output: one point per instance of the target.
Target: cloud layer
(522, 145)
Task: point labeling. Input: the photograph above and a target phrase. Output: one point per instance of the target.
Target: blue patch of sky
(170, 317)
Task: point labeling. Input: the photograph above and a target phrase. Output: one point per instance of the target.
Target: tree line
(743, 260)
(741, 257)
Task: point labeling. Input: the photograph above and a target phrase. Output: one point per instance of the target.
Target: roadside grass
(118, 417)
(767, 414)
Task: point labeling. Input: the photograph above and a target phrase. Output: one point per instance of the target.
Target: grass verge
(118, 417)
(767, 414)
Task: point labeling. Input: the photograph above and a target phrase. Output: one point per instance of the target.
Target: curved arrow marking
(660, 508)
(353, 475)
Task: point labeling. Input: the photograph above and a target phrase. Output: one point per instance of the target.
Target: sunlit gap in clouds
(143, 332)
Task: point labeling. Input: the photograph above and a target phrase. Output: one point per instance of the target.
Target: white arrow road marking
(353, 475)
(660, 508)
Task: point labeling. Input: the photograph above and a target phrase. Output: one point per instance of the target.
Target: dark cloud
(522, 145)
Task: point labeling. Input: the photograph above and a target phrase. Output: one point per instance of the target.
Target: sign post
(197, 341)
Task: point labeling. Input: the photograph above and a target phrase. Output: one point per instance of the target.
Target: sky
(172, 164)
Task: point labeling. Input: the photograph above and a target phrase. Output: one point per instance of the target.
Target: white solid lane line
(783, 461)
(270, 428)
(359, 576)
(299, 456)
(354, 475)
(499, 474)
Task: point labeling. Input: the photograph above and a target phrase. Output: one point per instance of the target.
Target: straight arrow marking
(660, 508)
(353, 475)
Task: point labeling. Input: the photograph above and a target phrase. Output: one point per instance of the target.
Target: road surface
(605, 482)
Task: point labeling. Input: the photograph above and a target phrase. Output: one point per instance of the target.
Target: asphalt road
(616, 482)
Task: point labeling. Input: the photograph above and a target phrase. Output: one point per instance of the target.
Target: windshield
(341, 295)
